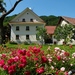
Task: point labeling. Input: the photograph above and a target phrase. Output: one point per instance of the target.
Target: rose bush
(24, 62)
(34, 61)
(61, 61)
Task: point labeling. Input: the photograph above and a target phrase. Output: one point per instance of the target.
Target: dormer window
(23, 20)
(31, 20)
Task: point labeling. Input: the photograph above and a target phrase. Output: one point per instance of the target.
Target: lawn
(44, 47)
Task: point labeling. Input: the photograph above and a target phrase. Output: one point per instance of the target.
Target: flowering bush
(34, 61)
(61, 61)
(24, 62)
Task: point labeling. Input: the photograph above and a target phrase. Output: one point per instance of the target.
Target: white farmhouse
(24, 26)
(66, 21)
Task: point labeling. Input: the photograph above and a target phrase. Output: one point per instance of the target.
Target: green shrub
(12, 42)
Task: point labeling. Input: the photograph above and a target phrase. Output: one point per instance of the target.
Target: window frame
(27, 37)
(36, 28)
(31, 20)
(17, 37)
(23, 20)
(17, 28)
(27, 28)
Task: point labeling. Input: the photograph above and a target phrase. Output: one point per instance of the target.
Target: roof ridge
(69, 19)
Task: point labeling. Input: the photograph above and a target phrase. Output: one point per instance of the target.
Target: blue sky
(45, 7)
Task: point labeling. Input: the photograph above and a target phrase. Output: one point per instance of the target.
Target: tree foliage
(64, 32)
(50, 20)
(2, 4)
(41, 34)
(8, 19)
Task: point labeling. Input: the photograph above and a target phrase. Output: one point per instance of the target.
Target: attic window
(23, 20)
(31, 20)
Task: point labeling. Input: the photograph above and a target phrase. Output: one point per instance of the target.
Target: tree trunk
(1, 31)
(2, 35)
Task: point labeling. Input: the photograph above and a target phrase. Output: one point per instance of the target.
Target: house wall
(22, 33)
(63, 23)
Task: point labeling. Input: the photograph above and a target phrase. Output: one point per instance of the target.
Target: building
(67, 21)
(24, 26)
(50, 31)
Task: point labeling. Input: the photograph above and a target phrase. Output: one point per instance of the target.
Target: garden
(37, 60)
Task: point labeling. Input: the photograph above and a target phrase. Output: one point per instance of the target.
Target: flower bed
(34, 61)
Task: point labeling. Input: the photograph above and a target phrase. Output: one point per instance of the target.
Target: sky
(44, 7)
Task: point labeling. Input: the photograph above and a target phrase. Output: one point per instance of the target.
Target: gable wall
(64, 23)
(27, 16)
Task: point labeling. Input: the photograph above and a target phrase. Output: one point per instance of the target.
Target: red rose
(58, 58)
(27, 73)
(1, 63)
(40, 70)
(44, 59)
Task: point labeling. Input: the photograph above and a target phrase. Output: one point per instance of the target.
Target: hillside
(8, 19)
(49, 20)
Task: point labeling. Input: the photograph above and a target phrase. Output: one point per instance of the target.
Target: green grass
(44, 47)
(62, 47)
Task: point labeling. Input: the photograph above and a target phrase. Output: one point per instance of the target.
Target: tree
(64, 32)
(41, 34)
(4, 14)
(50, 20)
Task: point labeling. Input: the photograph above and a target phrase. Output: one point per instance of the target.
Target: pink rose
(40, 70)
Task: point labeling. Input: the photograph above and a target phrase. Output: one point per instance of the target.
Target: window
(27, 13)
(31, 20)
(27, 37)
(27, 28)
(17, 28)
(17, 37)
(36, 27)
(23, 20)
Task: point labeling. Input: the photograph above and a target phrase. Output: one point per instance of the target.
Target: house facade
(66, 21)
(24, 26)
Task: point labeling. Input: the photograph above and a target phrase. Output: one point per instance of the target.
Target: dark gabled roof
(50, 29)
(68, 19)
